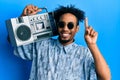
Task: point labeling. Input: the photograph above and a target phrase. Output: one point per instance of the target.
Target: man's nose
(65, 27)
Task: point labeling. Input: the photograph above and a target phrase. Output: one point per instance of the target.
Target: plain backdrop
(103, 15)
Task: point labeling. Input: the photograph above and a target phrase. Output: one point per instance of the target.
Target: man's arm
(101, 66)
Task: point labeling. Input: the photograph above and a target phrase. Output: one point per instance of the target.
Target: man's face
(67, 27)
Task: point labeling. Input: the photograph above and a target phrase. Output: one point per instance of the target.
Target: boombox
(28, 29)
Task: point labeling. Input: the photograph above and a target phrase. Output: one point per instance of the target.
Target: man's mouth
(64, 35)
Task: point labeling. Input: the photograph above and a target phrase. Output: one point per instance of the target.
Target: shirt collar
(66, 48)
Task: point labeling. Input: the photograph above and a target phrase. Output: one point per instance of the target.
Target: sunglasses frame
(62, 24)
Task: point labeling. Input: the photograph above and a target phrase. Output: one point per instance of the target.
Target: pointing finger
(86, 22)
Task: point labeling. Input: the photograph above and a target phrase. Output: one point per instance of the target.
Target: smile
(65, 35)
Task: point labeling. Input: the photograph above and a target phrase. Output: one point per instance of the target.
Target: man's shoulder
(49, 40)
(84, 50)
(46, 41)
(80, 47)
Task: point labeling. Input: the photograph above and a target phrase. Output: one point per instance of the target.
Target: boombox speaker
(28, 29)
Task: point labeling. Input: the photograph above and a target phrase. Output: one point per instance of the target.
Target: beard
(64, 41)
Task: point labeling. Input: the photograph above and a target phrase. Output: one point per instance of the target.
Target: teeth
(65, 35)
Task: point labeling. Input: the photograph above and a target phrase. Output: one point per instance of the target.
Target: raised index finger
(86, 22)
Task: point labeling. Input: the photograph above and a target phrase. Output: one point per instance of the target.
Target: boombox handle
(44, 9)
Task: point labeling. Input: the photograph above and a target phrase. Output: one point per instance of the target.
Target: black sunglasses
(61, 24)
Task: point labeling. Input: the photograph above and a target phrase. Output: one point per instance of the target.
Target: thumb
(35, 12)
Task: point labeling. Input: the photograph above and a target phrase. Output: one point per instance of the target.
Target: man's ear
(78, 27)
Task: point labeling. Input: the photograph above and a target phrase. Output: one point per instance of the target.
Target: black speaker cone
(23, 32)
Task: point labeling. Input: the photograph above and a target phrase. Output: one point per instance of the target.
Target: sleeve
(26, 52)
(90, 66)
(93, 75)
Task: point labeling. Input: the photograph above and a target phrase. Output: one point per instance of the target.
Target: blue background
(103, 15)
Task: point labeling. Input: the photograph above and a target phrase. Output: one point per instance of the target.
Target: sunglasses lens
(70, 25)
(61, 24)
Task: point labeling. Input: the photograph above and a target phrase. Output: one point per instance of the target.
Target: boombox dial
(23, 33)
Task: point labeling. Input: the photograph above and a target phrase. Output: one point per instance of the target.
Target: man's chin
(63, 41)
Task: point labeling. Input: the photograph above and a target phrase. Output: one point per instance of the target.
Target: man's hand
(90, 35)
(30, 10)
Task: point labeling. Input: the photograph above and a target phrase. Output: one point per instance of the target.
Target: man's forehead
(68, 17)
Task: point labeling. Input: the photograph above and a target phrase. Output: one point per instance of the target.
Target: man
(62, 58)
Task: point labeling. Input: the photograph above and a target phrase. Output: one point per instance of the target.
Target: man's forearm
(101, 66)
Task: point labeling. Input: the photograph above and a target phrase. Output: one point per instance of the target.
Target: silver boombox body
(28, 29)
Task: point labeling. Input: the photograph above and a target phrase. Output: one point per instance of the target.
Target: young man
(62, 58)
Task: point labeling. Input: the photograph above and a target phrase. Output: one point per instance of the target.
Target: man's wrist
(91, 44)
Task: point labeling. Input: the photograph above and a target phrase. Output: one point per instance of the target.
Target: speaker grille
(23, 32)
